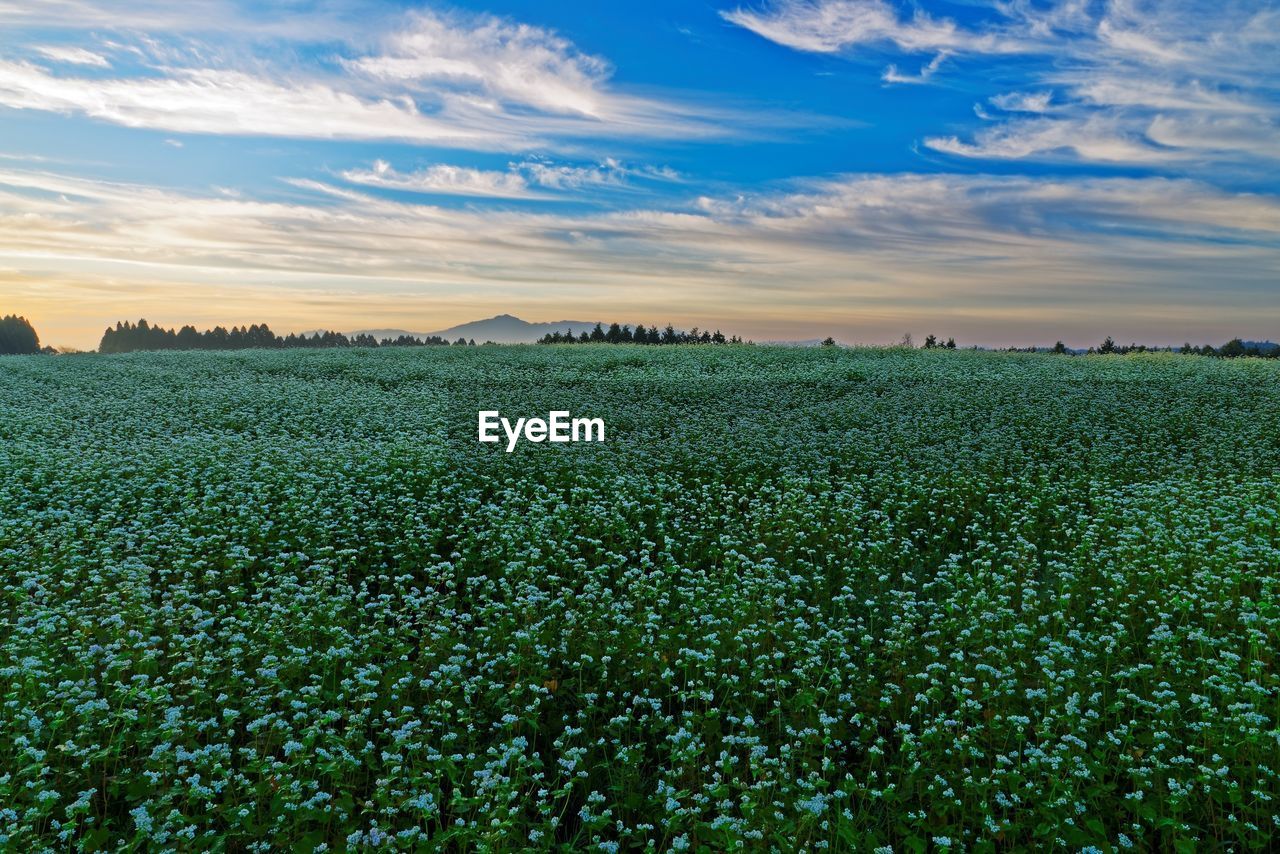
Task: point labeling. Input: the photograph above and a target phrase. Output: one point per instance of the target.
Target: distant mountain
(503, 329)
(1262, 346)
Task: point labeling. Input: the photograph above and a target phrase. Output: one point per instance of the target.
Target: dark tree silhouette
(17, 336)
(127, 337)
(642, 334)
(1233, 349)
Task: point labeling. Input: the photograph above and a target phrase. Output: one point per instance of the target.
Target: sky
(1007, 173)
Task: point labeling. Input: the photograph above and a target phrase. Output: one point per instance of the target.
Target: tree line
(18, 336)
(1233, 349)
(126, 337)
(617, 334)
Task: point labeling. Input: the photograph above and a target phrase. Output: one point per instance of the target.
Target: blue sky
(1008, 173)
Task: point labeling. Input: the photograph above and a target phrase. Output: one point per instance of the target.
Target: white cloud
(1097, 138)
(487, 68)
(212, 101)
(1210, 134)
(1023, 102)
(321, 21)
(561, 177)
(73, 55)
(474, 82)
(508, 62)
(523, 180)
(892, 75)
(1130, 81)
(832, 26)
(607, 173)
(443, 179)
(1103, 88)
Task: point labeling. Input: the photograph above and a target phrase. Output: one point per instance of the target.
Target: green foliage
(801, 598)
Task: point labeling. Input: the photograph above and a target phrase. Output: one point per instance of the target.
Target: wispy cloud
(833, 26)
(216, 101)
(444, 179)
(1097, 138)
(492, 59)
(325, 20)
(1023, 102)
(610, 172)
(72, 55)
(529, 179)
(463, 81)
(892, 75)
(861, 250)
(1131, 81)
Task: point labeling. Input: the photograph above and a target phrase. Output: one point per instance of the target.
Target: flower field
(799, 599)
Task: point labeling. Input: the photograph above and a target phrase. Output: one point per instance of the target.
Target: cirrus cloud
(1134, 82)
(833, 26)
(72, 55)
(975, 251)
(528, 179)
(443, 179)
(464, 81)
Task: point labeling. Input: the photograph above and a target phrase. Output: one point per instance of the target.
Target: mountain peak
(502, 328)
